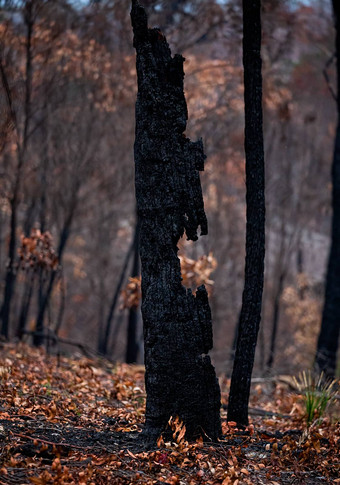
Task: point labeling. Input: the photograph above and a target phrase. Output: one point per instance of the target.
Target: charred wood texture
(329, 334)
(180, 379)
(255, 230)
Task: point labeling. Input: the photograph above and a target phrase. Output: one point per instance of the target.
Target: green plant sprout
(317, 393)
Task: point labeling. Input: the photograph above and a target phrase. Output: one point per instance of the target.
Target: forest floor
(78, 421)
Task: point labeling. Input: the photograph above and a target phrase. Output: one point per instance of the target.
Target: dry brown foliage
(195, 272)
(78, 421)
(37, 251)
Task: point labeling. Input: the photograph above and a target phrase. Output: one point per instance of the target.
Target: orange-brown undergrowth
(78, 421)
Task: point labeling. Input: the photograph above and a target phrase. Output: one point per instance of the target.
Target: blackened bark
(329, 334)
(255, 229)
(180, 379)
(132, 344)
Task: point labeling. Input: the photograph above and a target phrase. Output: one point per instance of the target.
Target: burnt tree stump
(180, 379)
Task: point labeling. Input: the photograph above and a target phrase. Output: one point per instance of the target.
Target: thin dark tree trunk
(29, 218)
(43, 196)
(100, 312)
(65, 233)
(103, 342)
(21, 153)
(180, 379)
(299, 266)
(132, 343)
(29, 20)
(25, 305)
(329, 334)
(280, 270)
(10, 273)
(39, 328)
(234, 343)
(255, 229)
(119, 320)
(275, 321)
(29, 281)
(261, 348)
(61, 306)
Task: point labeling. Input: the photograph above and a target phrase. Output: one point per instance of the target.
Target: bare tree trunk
(180, 379)
(115, 332)
(21, 154)
(233, 345)
(103, 342)
(275, 320)
(61, 306)
(25, 306)
(255, 230)
(329, 333)
(38, 338)
(100, 312)
(65, 233)
(279, 270)
(10, 273)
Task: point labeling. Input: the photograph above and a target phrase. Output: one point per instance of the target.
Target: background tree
(22, 133)
(83, 81)
(330, 327)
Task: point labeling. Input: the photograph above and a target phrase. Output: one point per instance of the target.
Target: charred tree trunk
(180, 379)
(329, 333)
(255, 230)
(132, 344)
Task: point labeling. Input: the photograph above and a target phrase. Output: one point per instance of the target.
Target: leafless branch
(326, 76)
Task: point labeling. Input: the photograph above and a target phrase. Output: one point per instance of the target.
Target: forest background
(67, 202)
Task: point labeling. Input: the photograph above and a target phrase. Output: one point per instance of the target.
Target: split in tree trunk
(180, 379)
(255, 229)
